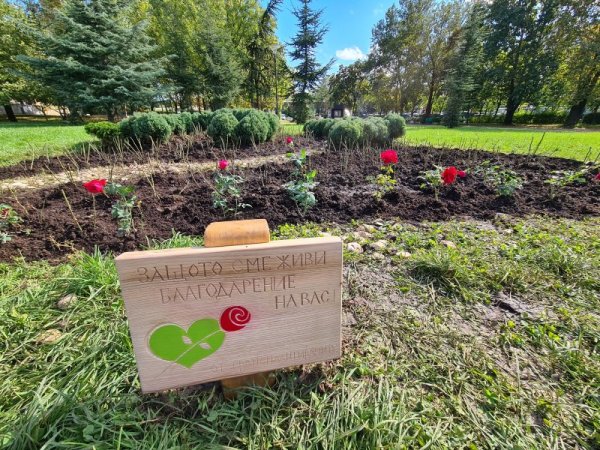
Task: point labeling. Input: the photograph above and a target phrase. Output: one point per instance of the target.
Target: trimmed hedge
(327, 126)
(202, 119)
(396, 125)
(253, 128)
(250, 127)
(240, 113)
(107, 132)
(309, 127)
(146, 128)
(319, 129)
(188, 122)
(524, 118)
(375, 132)
(273, 125)
(354, 131)
(346, 133)
(222, 128)
(176, 123)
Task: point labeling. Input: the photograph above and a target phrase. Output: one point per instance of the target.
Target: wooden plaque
(206, 314)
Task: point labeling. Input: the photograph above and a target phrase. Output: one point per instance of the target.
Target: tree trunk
(10, 114)
(575, 114)
(429, 107)
(511, 105)
(110, 115)
(511, 109)
(585, 89)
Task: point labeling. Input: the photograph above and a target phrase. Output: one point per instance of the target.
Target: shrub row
(225, 126)
(592, 118)
(242, 126)
(107, 132)
(525, 118)
(354, 131)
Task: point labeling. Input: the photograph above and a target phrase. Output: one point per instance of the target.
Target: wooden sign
(206, 314)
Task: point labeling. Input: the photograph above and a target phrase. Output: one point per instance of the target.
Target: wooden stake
(240, 232)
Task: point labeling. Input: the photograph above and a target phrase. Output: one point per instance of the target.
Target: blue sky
(350, 24)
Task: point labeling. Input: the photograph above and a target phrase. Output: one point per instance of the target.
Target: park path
(125, 173)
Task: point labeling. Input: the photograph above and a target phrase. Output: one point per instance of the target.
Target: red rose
(461, 174)
(449, 175)
(289, 140)
(223, 164)
(389, 157)
(95, 186)
(598, 177)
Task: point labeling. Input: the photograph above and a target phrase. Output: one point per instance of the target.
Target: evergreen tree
(95, 60)
(308, 72)
(464, 65)
(262, 50)
(221, 73)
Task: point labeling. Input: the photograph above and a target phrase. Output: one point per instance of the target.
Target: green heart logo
(173, 343)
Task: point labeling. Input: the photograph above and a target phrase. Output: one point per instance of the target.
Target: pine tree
(221, 74)
(308, 72)
(467, 59)
(95, 59)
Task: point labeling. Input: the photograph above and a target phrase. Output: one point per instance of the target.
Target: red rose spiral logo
(235, 318)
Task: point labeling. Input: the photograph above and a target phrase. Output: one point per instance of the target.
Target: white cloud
(350, 54)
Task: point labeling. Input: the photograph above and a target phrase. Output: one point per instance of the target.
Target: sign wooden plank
(206, 314)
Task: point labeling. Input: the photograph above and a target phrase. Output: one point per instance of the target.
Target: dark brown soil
(197, 148)
(183, 203)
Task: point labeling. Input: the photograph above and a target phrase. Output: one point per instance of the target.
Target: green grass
(26, 139)
(560, 143)
(292, 129)
(430, 361)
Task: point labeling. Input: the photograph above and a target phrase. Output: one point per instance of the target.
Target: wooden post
(240, 232)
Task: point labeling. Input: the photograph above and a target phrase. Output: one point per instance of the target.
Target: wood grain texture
(292, 289)
(237, 232)
(224, 234)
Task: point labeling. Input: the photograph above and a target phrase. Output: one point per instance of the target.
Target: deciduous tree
(349, 85)
(520, 45)
(464, 65)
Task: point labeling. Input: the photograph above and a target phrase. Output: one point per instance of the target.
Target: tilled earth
(60, 219)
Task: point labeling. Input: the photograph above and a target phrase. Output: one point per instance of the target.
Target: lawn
(565, 144)
(491, 342)
(25, 140)
(474, 332)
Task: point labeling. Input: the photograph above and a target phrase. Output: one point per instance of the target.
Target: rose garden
(469, 284)
(216, 235)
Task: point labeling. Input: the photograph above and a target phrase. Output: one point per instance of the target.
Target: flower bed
(193, 148)
(57, 220)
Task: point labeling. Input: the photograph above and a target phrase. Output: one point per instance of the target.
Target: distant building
(24, 109)
(339, 111)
